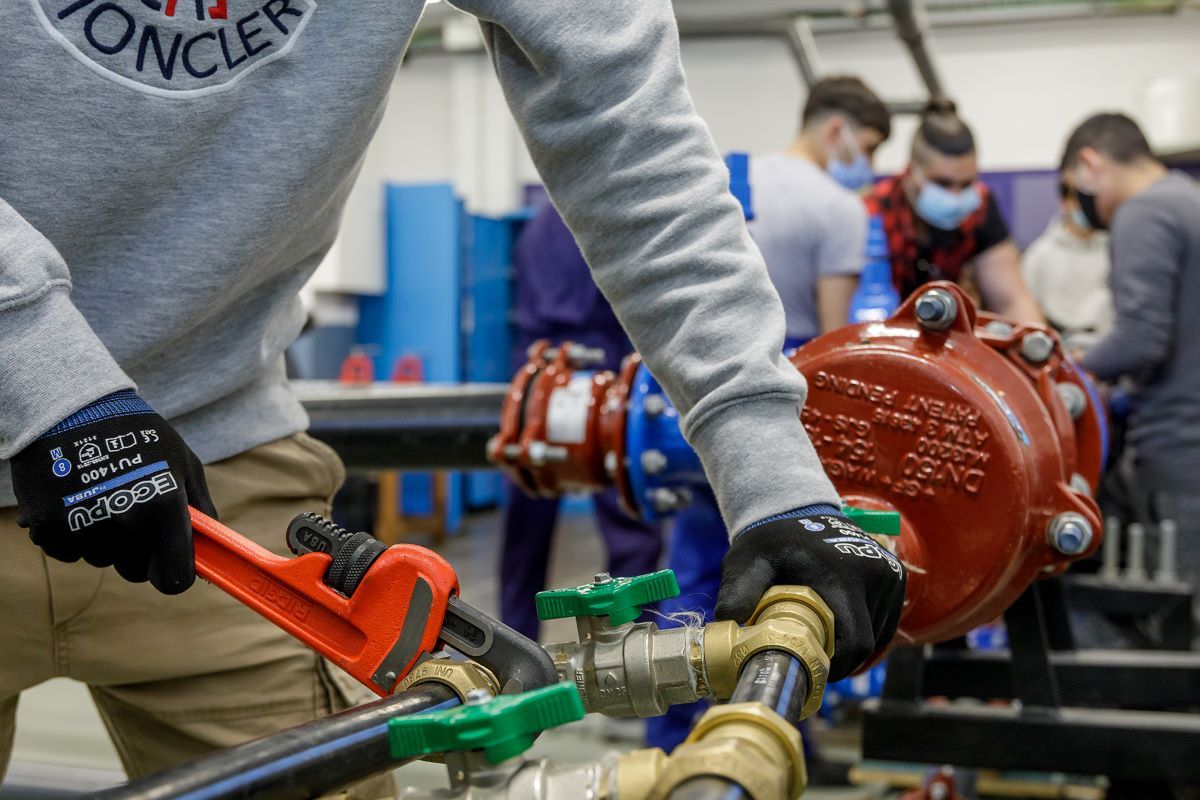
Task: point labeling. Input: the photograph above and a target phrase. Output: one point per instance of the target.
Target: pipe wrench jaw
(371, 610)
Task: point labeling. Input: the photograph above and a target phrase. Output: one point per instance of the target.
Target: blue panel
(416, 494)
(487, 299)
(487, 332)
(419, 312)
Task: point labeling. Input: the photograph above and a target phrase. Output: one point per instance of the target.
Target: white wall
(1022, 86)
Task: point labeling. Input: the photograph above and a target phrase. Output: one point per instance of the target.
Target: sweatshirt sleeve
(1146, 259)
(51, 362)
(598, 92)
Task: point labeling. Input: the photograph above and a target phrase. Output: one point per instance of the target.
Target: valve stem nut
(1070, 533)
(936, 310)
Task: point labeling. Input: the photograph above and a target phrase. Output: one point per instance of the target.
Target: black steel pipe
(777, 680)
(306, 761)
(707, 787)
(405, 425)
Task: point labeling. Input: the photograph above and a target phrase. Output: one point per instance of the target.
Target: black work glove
(111, 484)
(818, 547)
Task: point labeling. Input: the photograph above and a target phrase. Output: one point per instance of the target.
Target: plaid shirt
(915, 263)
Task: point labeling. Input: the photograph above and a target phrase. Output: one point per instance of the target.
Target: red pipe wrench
(370, 609)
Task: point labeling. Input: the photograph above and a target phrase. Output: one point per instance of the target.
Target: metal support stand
(1076, 710)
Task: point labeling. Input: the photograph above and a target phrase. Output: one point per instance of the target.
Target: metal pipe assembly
(935, 416)
(939, 414)
(772, 672)
(771, 679)
(303, 762)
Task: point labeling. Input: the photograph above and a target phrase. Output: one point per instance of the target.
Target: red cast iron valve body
(969, 439)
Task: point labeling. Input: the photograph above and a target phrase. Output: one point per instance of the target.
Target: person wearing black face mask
(1154, 219)
(1066, 269)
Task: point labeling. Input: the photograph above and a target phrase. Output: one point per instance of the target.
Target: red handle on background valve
(376, 635)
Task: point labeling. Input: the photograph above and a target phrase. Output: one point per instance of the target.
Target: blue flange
(660, 459)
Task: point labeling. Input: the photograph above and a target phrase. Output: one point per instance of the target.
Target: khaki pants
(175, 678)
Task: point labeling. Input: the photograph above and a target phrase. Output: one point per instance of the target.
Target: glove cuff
(125, 403)
(795, 513)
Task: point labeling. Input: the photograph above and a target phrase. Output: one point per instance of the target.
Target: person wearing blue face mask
(940, 219)
(808, 222)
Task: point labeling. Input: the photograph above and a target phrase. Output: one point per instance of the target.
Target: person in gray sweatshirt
(1153, 218)
(171, 173)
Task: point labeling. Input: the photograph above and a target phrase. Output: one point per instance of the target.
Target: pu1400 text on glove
(111, 484)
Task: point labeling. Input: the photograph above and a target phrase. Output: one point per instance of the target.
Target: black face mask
(1087, 204)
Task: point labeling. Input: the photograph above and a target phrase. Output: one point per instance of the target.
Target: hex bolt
(389, 676)
(1168, 538)
(936, 310)
(663, 500)
(1070, 533)
(1110, 558)
(1036, 347)
(582, 356)
(541, 453)
(654, 404)
(1135, 569)
(1074, 398)
(653, 461)
(477, 697)
(999, 328)
(601, 578)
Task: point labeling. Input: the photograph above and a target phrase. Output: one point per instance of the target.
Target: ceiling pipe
(912, 26)
(803, 45)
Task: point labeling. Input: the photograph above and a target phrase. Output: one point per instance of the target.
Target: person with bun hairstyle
(939, 218)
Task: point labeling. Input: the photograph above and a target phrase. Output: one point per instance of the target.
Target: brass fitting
(790, 618)
(460, 677)
(746, 743)
(638, 771)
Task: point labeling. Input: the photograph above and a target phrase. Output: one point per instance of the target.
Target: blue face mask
(945, 209)
(855, 175)
(1080, 219)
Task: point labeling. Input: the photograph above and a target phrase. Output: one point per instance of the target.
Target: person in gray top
(171, 174)
(808, 222)
(1153, 218)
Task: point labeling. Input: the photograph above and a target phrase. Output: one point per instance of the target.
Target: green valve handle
(882, 523)
(620, 599)
(502, 727)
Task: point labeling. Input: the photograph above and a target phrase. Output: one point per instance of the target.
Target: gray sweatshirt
(1155, 278)
(172, 171)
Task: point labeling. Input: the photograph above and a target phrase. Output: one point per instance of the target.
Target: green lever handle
(620, 599)
(502, 727)
(882, 523)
